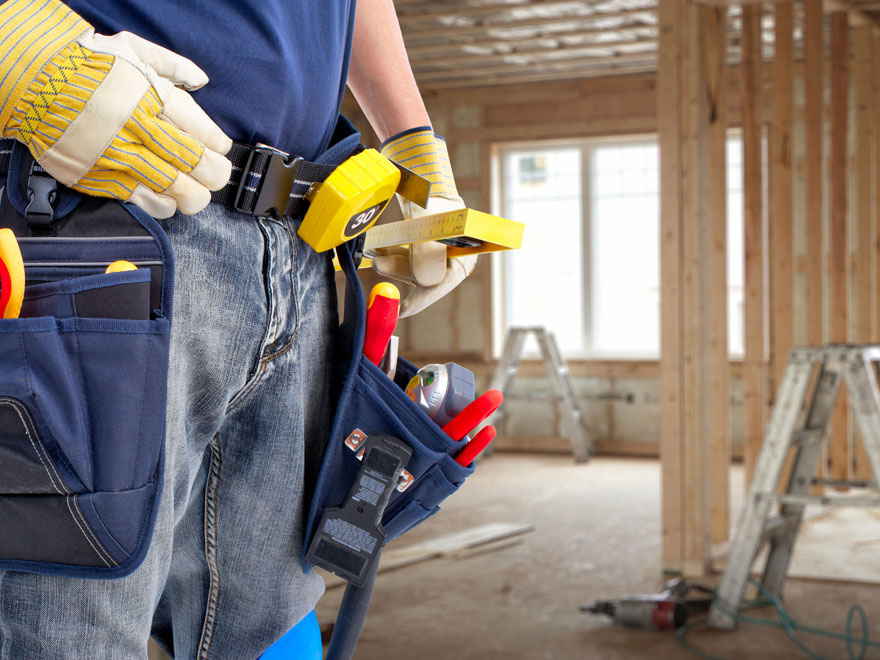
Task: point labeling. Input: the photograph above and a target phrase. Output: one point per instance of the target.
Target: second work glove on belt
(425, 265)
(106, 115)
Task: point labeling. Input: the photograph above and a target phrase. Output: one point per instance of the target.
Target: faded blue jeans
(249, 407)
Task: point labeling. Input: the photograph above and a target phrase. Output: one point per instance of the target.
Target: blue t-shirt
(277, 67)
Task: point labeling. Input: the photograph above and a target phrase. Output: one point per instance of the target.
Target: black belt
(265, 181)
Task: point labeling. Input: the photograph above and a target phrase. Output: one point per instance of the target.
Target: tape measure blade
(487, 229)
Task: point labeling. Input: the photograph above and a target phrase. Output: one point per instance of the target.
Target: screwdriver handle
(382, 312)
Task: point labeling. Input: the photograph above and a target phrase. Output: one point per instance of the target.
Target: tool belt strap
(265, 180)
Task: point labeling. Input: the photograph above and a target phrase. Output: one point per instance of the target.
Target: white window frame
(500, 292)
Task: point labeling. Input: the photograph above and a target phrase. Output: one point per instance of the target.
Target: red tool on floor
(667, 610)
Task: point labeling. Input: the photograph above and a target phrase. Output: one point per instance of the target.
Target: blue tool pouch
(371, 402)
(83, 379)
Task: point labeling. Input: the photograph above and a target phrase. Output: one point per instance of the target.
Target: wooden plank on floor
(754, 361)
(670, 14)
(838, 255)
(719, 364)
(447, 545)
(863, 283)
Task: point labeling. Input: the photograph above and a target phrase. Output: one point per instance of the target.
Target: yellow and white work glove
(106, 115)
(424, 265)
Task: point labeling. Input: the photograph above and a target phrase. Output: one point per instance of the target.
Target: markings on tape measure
(416, 230)
(485, 232)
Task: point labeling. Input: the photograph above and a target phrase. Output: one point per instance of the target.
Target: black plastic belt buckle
(275, 184)
(42, 191)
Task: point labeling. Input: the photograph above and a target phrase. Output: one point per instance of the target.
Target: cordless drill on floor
(667, 610)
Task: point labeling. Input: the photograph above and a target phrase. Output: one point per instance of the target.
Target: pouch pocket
(123, 295)
(83, 378)
(371, 402)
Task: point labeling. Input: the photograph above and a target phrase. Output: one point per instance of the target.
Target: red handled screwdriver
(383, 308)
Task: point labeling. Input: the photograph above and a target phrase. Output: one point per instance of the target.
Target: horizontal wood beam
(484, 26)
(456, 46)
(535, 52)
(437, 10)
(452, 83)
(570, 66)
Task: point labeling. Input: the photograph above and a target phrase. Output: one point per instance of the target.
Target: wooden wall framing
(690, 73)
(808, 276)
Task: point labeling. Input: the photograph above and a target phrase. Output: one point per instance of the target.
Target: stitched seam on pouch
(105, 555)
(37, 451)
(88, 540)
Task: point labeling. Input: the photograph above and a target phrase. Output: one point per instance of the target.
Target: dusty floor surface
(597, 536)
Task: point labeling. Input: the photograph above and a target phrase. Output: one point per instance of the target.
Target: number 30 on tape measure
(349, 201)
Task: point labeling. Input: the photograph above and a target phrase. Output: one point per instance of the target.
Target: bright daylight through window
(589, 266)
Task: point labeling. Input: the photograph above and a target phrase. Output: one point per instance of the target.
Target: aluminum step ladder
(799, 421)
(560, 385)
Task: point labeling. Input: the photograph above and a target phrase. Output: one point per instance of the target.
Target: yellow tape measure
(349, 201)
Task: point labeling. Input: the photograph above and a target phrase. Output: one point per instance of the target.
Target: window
(589, 267)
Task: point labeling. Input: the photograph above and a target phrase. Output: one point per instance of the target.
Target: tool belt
(83, 375)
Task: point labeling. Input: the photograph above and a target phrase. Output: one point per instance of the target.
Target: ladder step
(837, 500)
(843, 483)
(532, 396)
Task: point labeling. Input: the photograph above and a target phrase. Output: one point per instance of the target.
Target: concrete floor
(597, 536)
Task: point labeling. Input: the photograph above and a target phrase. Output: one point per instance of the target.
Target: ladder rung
(823, 500)
(532, 396)
(843, 483)
(779, 525)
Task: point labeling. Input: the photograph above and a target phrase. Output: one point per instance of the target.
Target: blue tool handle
(302, 642)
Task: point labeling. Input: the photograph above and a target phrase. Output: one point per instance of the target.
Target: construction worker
(146, 116)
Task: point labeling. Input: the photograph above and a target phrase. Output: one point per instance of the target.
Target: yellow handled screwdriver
(11, 275)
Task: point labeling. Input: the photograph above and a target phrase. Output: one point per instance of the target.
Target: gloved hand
(106, 115)
(424, 265)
